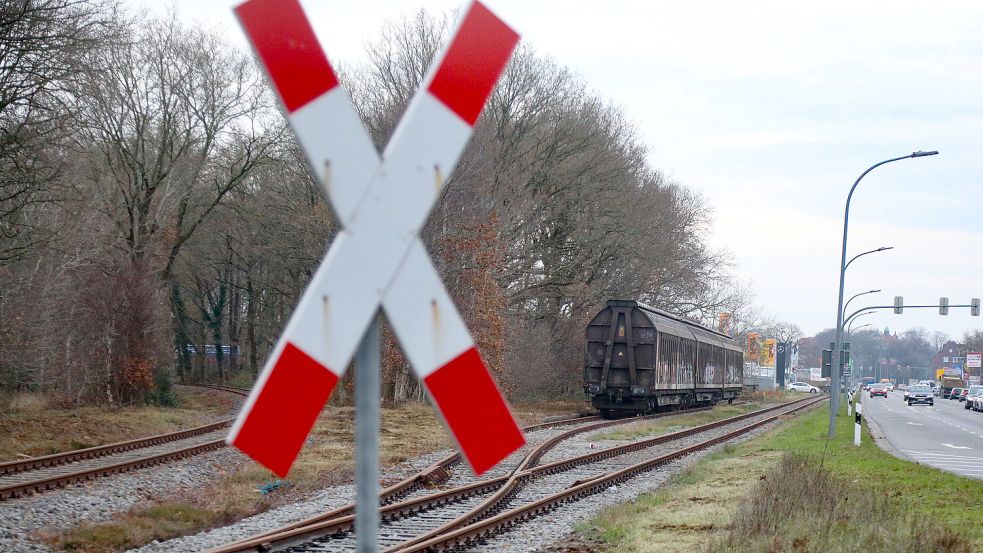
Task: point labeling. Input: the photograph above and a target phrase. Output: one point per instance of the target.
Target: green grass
(937, 495)
(790, 490)
(138, 527)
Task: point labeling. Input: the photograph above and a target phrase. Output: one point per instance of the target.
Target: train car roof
(679, 326)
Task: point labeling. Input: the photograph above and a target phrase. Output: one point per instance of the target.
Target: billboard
(815, 373)
(767, 358)
(723, 323)
(974, 360)
(752, 351)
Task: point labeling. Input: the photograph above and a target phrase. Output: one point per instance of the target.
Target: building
(949, 358)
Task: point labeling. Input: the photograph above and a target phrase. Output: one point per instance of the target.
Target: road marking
(957, 446)
(914, 423)
(944, 455)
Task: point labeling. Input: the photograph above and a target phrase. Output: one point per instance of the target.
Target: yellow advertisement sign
(767, 358)
(939, 373)
(753, 350)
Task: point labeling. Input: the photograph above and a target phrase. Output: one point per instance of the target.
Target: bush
(163, 395)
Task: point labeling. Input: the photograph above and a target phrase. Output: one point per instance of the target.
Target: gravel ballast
(334, 497)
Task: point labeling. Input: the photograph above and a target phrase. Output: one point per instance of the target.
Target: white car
(802, 387)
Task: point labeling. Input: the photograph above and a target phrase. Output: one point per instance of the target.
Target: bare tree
(42, 47)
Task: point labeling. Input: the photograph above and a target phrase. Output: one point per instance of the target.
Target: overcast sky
(771, 110)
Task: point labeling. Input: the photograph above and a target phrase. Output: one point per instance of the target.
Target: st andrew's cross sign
(376, 258)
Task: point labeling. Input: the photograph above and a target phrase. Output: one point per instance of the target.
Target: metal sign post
(367, 390)
(857, 423)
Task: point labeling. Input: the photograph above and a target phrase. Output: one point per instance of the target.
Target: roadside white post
(856, 427)
(849, 407)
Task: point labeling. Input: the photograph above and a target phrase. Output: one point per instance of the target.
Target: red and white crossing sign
(377, 258)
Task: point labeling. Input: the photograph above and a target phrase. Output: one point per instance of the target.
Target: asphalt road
(946, 436)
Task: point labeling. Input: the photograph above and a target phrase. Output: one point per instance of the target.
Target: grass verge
(790, 490)
(30, 425)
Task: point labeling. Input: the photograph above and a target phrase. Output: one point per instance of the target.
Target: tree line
(900, 355)
(158, 221)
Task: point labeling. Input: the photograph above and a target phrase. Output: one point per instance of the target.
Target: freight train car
(640, 359)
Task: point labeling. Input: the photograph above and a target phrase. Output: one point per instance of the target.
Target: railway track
(458, 489)
(456, 515)
(38, 474)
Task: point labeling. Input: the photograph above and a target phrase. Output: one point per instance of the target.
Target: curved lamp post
(855, 296)
(849, 330)
(854, 258)
(850, 326)
(834, 403)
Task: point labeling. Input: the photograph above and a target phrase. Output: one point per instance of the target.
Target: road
(945, 436)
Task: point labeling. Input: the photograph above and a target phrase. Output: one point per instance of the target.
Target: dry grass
(31, 425)
(773, 396)
(142, 526)
(665, 425)
(802, 507)
(696, 505)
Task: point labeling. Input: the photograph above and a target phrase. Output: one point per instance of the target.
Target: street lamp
(834, 403)
(850, 326)
(880, 249)
(857, 296)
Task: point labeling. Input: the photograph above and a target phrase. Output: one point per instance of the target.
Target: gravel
(23, 520)
(334, 497)
(97, 500)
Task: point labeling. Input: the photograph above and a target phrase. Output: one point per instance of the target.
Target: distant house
(949, 356)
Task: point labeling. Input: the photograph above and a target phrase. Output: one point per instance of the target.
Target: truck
(947, 383)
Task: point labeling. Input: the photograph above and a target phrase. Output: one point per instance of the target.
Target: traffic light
(943, 306)
(827, 363)
(898, 304)
(974, 308)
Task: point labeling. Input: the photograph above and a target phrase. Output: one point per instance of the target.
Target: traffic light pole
(939, 306)
(836, 355)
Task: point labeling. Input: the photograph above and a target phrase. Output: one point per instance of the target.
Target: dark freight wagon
(640, 359)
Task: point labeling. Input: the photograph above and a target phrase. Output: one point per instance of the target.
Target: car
(974, 391)
(878, 390)
(802, 387)
(920, 394)
(978, 403)
(906, 394)
(954, 394)
(963, 394)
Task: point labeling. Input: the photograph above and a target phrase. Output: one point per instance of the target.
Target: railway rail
(494, 515)
(417, 519)
(37, 474)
